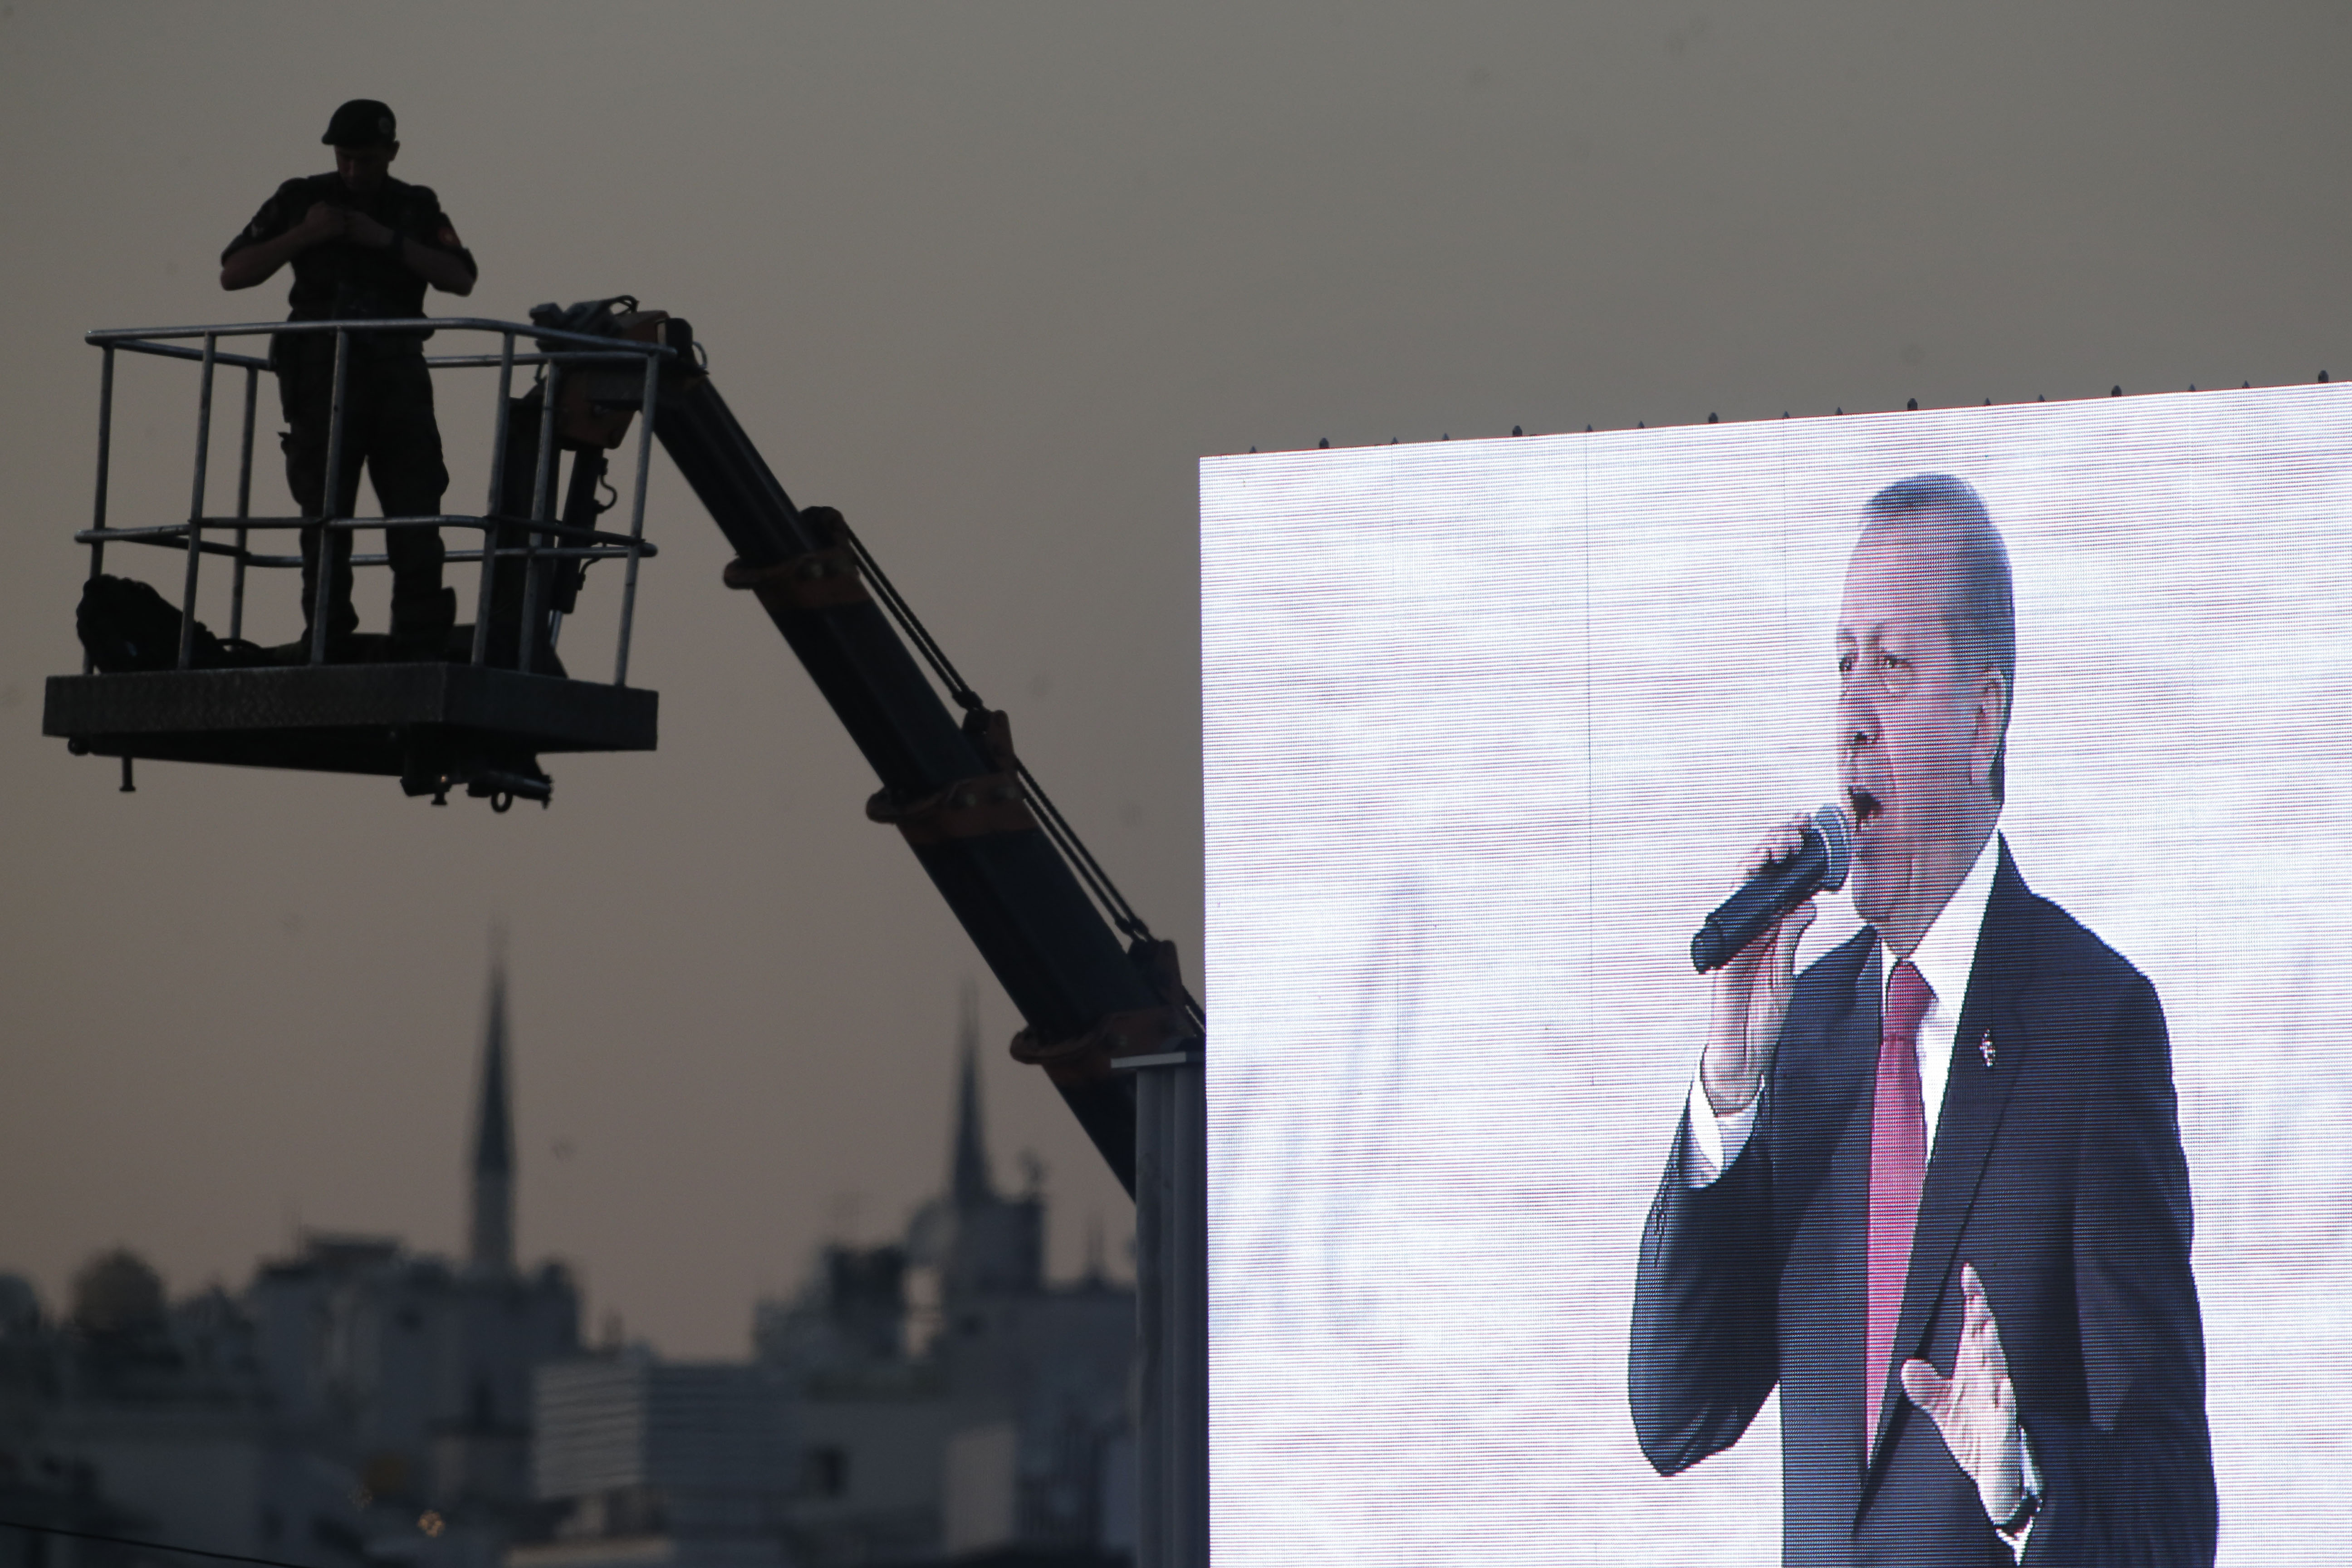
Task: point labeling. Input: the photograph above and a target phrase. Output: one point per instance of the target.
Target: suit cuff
(2030, 1474)
(1711, 1143)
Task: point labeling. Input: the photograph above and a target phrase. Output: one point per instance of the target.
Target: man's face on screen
(1915, 731)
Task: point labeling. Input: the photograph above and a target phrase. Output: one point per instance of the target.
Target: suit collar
(1947, 953)
(1945, 958)
(1987, 1049)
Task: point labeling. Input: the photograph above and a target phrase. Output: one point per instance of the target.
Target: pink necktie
(1898, 1162)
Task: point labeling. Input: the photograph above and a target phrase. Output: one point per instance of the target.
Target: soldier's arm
(440, 260)
(447, 270)
(250, 264)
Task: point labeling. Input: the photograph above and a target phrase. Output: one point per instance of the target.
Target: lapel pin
(1985, 1046)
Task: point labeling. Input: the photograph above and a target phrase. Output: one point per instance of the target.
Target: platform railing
(545, 538)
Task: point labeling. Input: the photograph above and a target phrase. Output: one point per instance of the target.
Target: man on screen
(1933, 1187)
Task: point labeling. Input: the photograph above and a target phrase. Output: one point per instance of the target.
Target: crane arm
(952, 788)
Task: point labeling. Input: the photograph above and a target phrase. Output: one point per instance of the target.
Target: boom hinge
(1093, 1053)
(975, 807)
(816, 580)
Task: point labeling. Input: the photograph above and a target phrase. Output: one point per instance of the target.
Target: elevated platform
(169, 689)
(406, 721)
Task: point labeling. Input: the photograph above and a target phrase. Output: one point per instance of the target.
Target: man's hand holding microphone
(1750, 941)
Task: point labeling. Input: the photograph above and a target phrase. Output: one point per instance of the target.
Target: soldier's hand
(1751, 1000)
(364, 231)
(323, 222)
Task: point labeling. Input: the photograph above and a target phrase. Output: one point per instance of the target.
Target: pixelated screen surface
(1488, 727)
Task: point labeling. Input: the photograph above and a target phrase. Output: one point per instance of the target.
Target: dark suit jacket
(2057, 1171)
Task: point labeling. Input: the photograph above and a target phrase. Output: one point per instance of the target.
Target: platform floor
(357, 719)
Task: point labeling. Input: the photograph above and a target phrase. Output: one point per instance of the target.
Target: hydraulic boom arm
(953, 789)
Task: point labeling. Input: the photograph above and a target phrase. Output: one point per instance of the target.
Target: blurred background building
(948, 1398)
(358, 1405)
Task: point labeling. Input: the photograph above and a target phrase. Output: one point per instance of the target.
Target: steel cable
(1058, 831)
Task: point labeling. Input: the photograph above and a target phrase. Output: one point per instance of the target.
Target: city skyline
(357, 1400)
(486, 1234)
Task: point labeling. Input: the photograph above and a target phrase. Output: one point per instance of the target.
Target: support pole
(196, 507)
(495, 505)
(244, 508)
(542, 492)
(327, 501)
(637, 517)
(1172, 1292)
(105, 453)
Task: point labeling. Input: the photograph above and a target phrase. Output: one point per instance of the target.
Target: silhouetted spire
(968, 1182)
(491, 1242)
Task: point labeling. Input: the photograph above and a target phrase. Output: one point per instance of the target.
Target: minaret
(968, 1183)
(490, 1244)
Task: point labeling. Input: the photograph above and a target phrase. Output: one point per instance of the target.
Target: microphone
(1781, 886)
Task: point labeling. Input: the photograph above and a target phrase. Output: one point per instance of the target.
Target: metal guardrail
(544, 537)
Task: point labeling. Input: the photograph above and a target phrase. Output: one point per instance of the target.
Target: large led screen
(1489, 726)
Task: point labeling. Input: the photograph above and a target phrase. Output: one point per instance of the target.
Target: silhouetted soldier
(364, 245)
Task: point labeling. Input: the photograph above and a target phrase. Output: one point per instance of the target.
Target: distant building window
(825, 1472)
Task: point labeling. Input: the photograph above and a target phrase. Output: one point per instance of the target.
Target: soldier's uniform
(388, 425)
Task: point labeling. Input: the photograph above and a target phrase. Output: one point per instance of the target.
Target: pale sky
(990, 280)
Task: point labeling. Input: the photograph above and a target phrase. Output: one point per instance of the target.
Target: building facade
(356, 1403)
(952, 1403)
